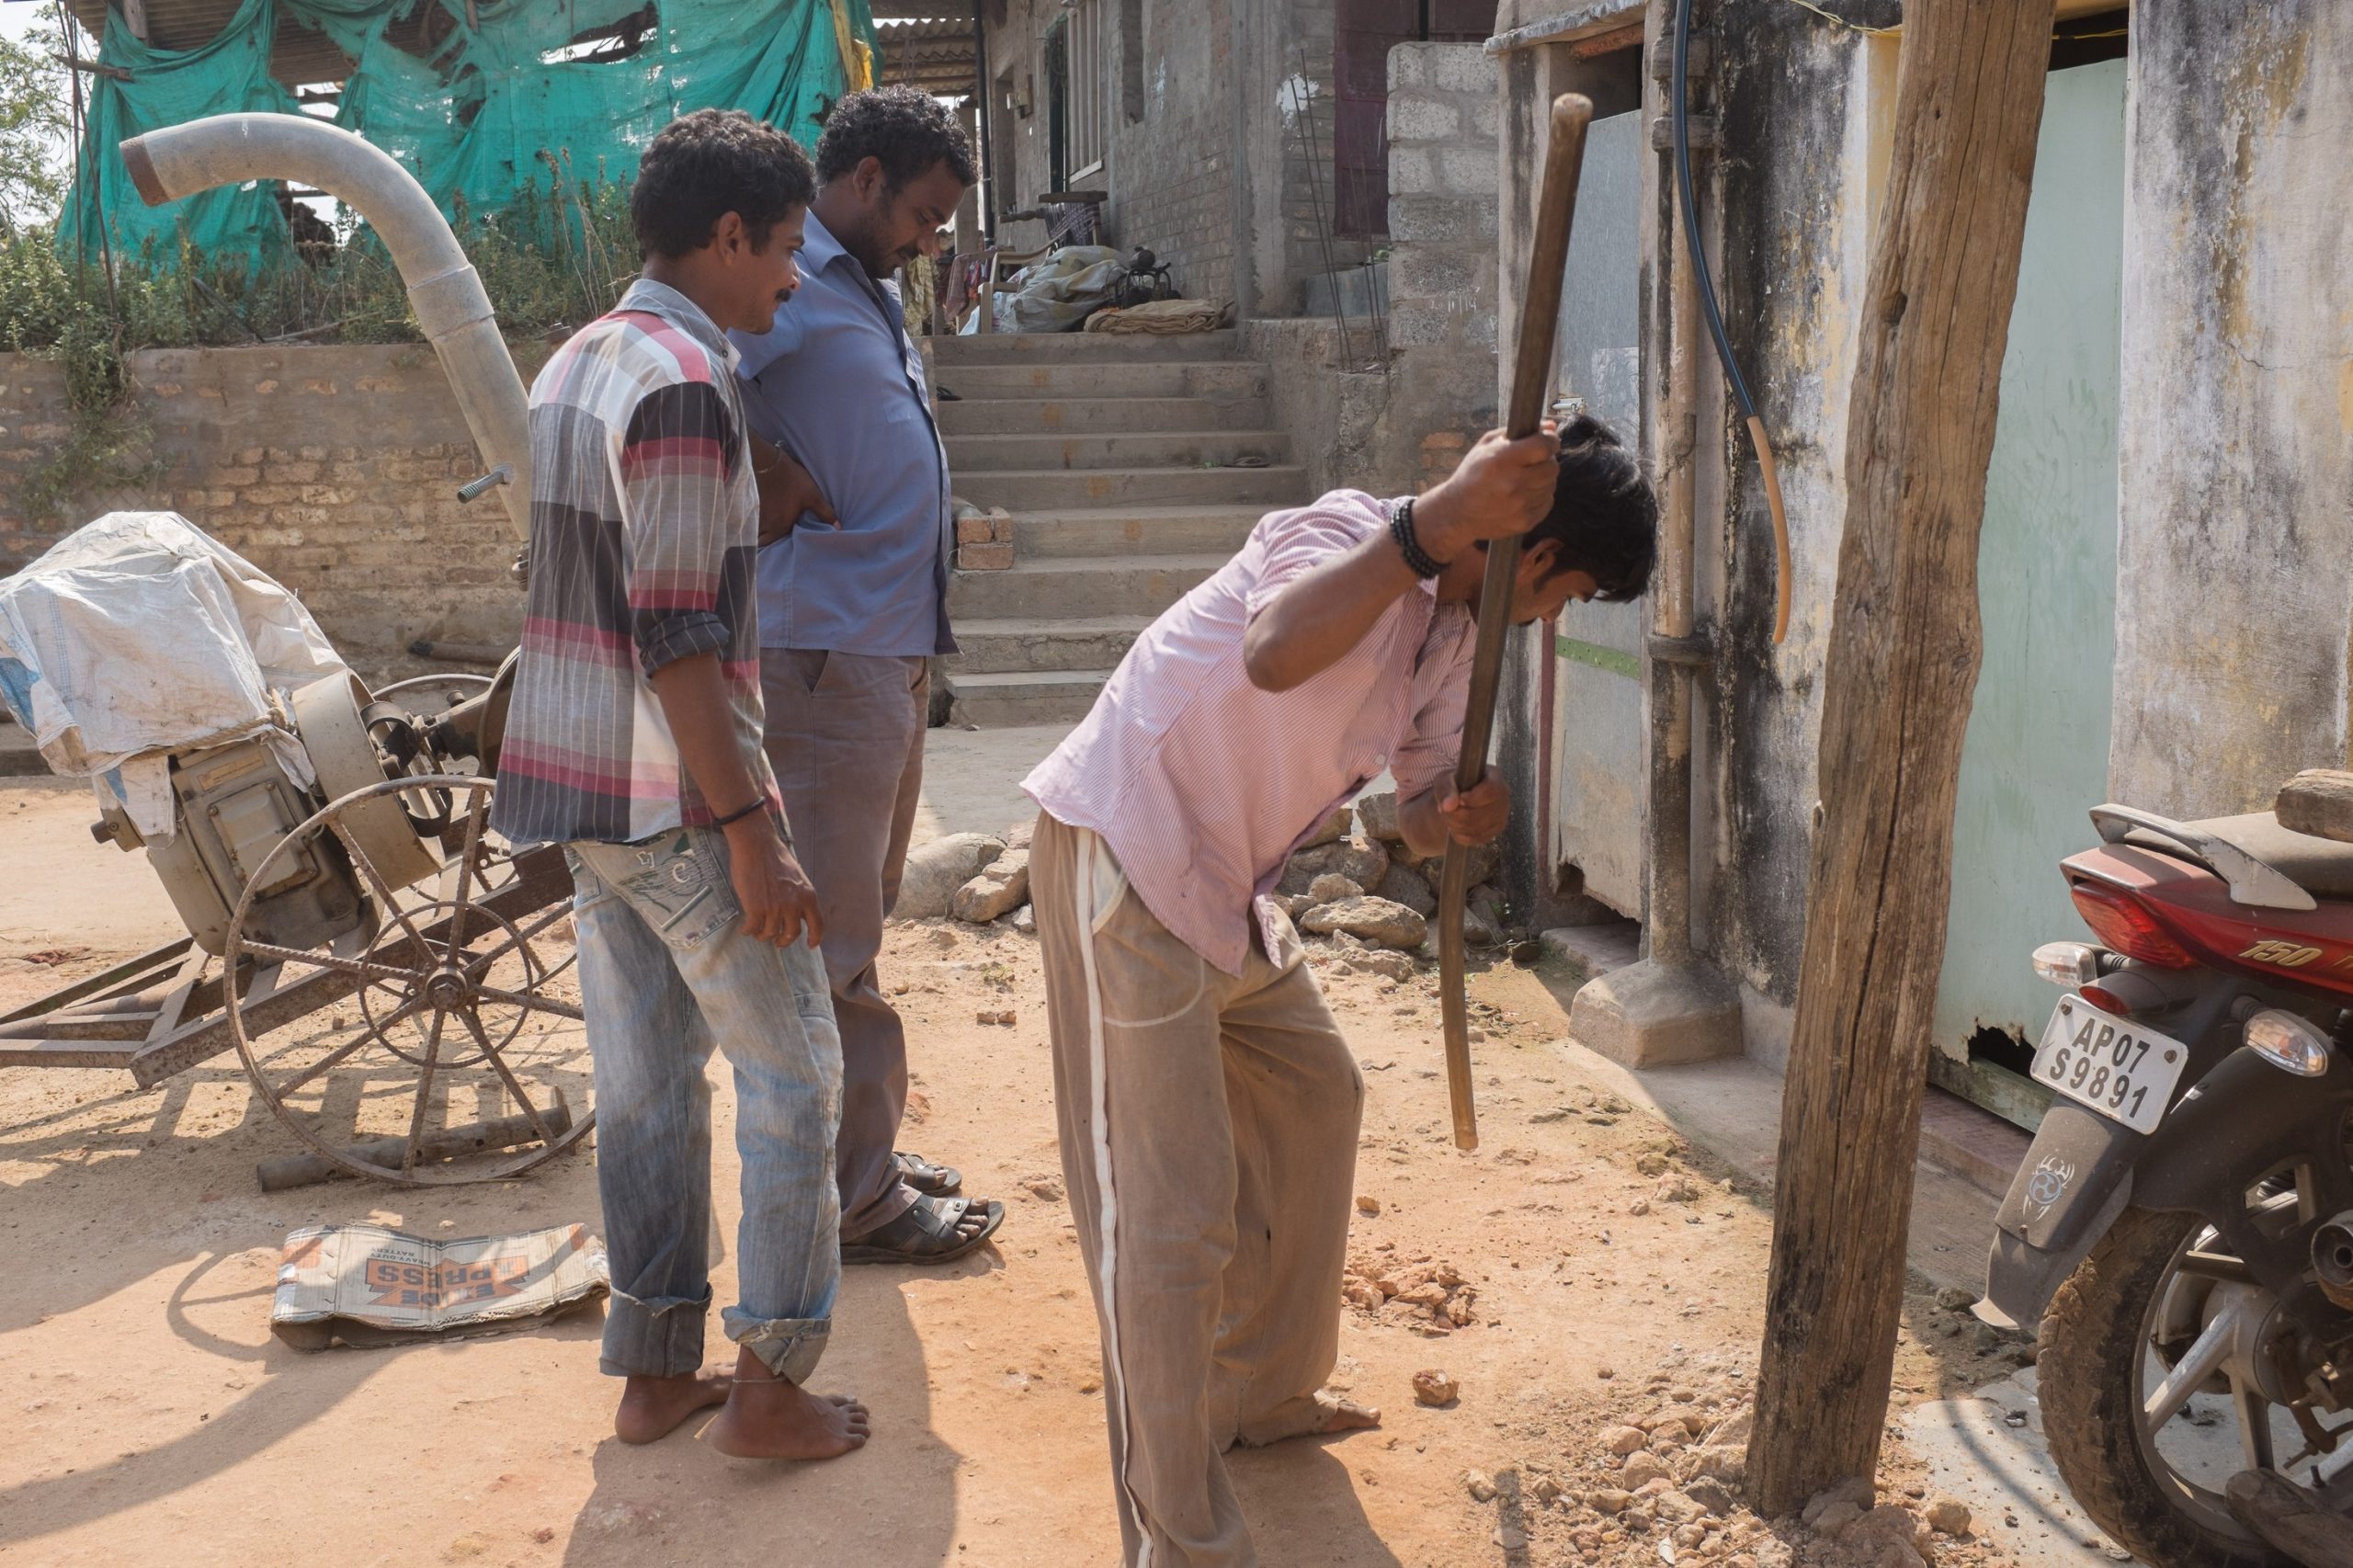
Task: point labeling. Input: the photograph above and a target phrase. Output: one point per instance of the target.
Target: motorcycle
(2181, 1229)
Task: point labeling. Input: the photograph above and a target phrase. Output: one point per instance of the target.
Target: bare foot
(1319, 1414)
(652, 1407)
(767, 1418)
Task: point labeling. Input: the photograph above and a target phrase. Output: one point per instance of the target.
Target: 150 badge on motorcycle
(2120, 1070)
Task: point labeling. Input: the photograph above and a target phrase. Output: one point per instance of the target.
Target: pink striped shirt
(1203, 785)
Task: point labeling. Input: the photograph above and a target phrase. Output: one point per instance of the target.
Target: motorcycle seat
(2322, 866)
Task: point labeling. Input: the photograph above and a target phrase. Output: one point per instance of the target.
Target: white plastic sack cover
(137, 636)
(1059, 293)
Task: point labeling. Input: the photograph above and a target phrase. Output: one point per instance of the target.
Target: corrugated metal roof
(927, 50)
(296, 54)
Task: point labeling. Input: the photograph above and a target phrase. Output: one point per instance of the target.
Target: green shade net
(497, 108)
(168, 88)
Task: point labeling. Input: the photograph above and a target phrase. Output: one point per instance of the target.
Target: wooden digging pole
(1902, 664)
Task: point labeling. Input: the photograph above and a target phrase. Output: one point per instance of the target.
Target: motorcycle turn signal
(2067, 964)
(2291, 1043)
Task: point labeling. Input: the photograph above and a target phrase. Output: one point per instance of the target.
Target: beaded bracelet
(1401, 528)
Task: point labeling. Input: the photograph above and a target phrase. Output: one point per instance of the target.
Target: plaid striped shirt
(645, 521)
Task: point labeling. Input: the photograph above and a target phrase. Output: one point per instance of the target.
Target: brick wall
(1442, 261)
(333, 469)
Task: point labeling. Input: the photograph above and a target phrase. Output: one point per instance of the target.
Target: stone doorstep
(1594, 950)
(1971, 1141)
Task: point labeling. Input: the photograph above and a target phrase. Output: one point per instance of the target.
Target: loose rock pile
(1356, 880)
(1424, 1295)
(1667, 1485)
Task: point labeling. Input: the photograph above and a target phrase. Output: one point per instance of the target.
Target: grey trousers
(1209, 1142)
(845, 736)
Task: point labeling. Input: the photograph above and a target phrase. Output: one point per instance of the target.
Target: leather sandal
(934, 1230)
(931, 1181)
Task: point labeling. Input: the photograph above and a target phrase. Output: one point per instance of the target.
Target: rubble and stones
(1002, 887)
(1434, 1388)
(935, 871)
(1373, 919)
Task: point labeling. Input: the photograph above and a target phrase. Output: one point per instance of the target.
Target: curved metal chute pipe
(443, 290)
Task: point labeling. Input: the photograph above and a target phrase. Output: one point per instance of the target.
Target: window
(1086, 80)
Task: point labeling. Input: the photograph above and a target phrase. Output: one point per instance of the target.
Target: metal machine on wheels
(390, 974)
(388, 971)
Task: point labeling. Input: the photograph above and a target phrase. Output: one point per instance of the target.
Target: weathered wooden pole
(1902, 664)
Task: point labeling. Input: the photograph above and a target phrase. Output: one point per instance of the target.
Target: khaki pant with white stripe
(1209, 1140)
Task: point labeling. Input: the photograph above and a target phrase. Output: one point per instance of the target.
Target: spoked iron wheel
(450, 1020)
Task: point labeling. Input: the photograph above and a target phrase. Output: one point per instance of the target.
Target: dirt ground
(1605, 1272)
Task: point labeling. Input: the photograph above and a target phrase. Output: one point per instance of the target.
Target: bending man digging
(1208, 1105)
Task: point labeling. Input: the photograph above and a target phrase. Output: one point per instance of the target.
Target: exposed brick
(377, 557)
(972, 530)
(984, 557)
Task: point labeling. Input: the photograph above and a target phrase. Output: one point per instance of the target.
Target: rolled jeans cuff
(791, 1347)
(658, 1337)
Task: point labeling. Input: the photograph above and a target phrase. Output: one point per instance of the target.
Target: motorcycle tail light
(2121, 924)
(2288, 1042)
(2067, 965)
(2107, 1001)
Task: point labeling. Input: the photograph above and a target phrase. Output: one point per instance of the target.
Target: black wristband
(1400, 529)
(733, 817)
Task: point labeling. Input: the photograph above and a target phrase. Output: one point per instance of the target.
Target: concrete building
(1327, 166)
(1241, 140)
(2163, 622)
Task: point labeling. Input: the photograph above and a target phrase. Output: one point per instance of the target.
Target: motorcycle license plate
(2120, 1070)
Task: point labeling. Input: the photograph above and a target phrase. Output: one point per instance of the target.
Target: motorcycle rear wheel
(2101, 1362)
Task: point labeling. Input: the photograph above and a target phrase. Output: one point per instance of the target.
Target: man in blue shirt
(855, 528)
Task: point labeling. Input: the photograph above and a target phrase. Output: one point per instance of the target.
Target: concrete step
(1076, 383)
(1020, 646)
(1101, 585)
(1173, 449)
(1972, 1143)
(1048, 416)
(1068, 347)
(1004, 702)
(1071, 490)
(1159, 530)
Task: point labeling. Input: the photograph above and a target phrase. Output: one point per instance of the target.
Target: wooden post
(1902, 664)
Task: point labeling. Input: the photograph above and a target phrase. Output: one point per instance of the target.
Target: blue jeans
(666, 973)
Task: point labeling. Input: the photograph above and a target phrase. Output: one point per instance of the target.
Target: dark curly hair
(703, 166)
(908, 130)
(1603, 516)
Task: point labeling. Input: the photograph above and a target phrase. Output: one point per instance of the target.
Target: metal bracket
(1703, 133)
(1695, 652)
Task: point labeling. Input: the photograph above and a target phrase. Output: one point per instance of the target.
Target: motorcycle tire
(2088, 1378)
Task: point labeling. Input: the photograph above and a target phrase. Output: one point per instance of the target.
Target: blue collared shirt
(835, 382)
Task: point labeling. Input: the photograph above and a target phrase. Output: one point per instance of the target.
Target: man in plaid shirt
(633, 740)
